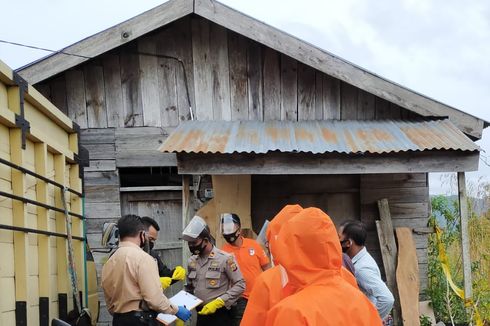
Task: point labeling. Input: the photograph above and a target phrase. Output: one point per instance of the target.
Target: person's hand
(183, 313)
(179, 273)
(165, 281)
(211, 307)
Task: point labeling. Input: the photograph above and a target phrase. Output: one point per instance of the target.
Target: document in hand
(180, 299)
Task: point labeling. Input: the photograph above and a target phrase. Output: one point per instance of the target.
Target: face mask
(197, 249)
(151, 244)
(231, 238)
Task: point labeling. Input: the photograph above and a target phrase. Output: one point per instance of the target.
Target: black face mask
(151, 244)
(197, 249)
(231, 238)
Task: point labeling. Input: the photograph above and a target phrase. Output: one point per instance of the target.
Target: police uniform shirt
(130, 276)
(216, 275)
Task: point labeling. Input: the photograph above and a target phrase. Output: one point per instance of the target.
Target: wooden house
(271, 118)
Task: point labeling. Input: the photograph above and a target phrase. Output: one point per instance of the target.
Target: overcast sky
(440, 48)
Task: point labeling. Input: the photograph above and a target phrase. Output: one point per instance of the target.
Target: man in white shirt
(352, 235)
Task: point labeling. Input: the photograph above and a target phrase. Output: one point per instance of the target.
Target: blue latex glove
(183, 313)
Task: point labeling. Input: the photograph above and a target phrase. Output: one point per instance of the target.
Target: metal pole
(465, 240)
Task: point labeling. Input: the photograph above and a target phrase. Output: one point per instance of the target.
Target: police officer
(130, 280)
(213, 276)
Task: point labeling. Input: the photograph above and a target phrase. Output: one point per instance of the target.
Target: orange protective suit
(268, 289)
(308, 249)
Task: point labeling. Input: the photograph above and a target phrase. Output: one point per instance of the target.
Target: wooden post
(186, 194)
(389, 253)
(465, 241)
(75, 204)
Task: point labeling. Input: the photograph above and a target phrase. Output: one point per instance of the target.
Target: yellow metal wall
(33, 265)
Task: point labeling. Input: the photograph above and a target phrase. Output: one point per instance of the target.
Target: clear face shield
(230, 227)
(195, 227)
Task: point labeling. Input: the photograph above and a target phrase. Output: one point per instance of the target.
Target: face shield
(230, 227)
(194, 229)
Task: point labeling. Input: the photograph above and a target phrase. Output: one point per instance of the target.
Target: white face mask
(284, 276)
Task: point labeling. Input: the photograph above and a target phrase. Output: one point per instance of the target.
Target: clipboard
(180, 299)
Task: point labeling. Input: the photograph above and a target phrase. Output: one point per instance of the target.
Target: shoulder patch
(231, 263)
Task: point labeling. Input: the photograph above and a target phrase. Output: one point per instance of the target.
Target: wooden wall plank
(113, 90)
(318, 95)
(75, 94)
(131, 92)
(272, 84)
(289, 88)
(95, 96)
(349, 97)
(97, 136)
(220, 72)
(306, 92)
(203, 81)
(237, 53)
(366, 106)
(183, 50)
(167, 80)
(150, 92)
(331, 98)
(58, 93)
(255, 91)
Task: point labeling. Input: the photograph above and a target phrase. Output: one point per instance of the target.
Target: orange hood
(308, 248)
(284, 215)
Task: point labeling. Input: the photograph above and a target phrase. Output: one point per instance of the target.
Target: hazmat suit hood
(284, 215)
(308, 248)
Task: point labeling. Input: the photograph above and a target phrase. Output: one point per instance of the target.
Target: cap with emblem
(197, 228)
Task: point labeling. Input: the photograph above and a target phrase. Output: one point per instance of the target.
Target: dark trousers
(237, 310)
(221, 317)
(134, 318)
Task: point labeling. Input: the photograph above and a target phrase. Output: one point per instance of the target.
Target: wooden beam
(465, 238)
(307, 163)
(407, 277)
(107, 40)
(333, 65)
(389, 252)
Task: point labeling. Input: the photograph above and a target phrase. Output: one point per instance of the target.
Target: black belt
(137, 314)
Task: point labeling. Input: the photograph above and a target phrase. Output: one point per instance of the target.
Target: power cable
(44, 49)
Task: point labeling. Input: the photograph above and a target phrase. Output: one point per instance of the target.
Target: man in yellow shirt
(250, 256)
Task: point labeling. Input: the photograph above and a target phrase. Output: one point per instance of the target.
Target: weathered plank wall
(408, 197)
(229, 77)
(338, 195)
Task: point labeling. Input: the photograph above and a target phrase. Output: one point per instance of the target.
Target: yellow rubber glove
(211, 307)
(179, 273)
(165, 281)
(179, 322)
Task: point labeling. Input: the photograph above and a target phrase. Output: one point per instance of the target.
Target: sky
(440, 48)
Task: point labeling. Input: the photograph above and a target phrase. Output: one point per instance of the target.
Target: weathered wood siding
(229, 77)
(409, 202)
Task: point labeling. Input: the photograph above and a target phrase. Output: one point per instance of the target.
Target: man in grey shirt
(352, 235)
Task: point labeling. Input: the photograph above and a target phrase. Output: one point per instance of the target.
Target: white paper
(180, 299)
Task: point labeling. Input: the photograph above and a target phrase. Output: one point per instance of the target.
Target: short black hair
(130, 226)
(148, 221)
(354, 230)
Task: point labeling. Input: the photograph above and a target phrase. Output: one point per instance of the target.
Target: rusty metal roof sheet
(326, 136)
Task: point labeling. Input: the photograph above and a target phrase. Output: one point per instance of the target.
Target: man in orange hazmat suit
(310, 257)
(269, 288)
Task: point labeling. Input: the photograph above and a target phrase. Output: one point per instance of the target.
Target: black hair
(354, 230)
(148, 221)
(130, 226)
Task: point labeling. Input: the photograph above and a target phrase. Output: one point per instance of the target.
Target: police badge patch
(231, 263)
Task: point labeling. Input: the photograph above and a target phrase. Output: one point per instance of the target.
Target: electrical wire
(44, 49)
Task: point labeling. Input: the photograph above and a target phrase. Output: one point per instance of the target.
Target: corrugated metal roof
(326, 136)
